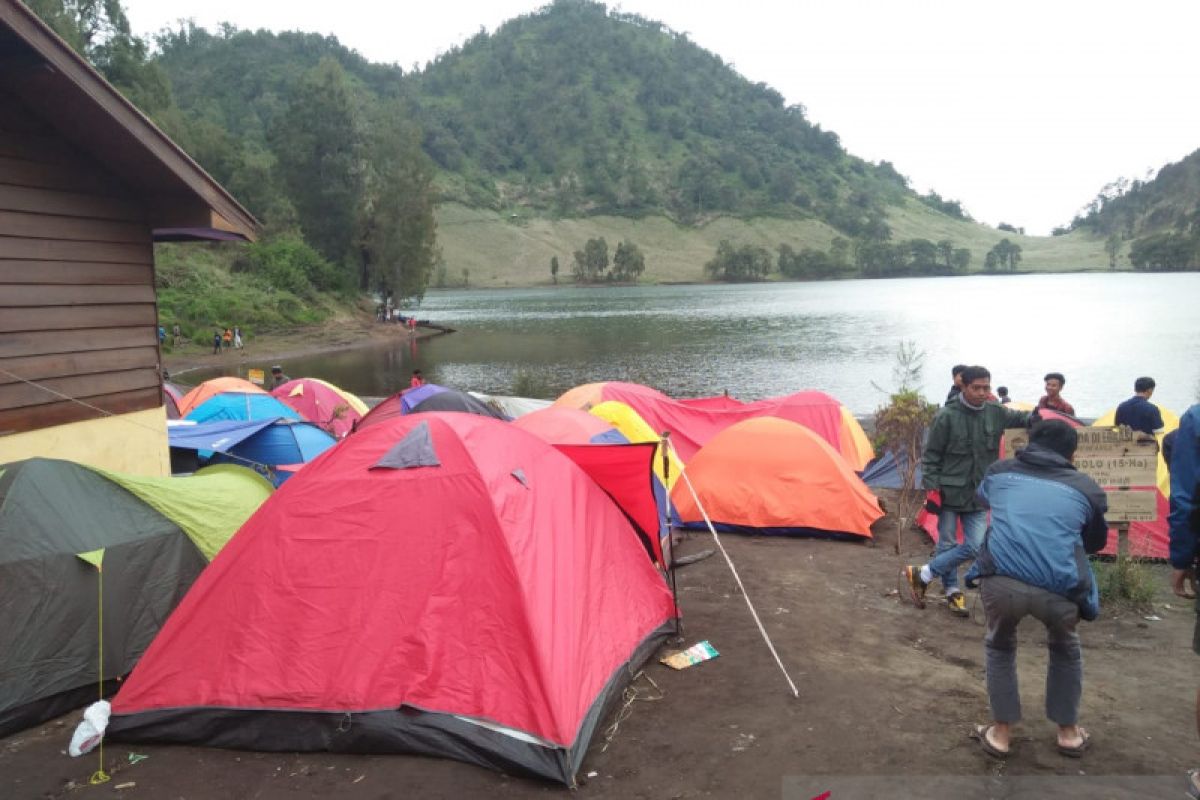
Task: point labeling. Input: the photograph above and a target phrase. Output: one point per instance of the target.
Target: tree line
(591, 264)
(861, 257)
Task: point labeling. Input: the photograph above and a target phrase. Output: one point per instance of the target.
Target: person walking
(1138, 412)
(1183, 523)
(237, 337)
(1053, 398)
(227, 339)
(175, 335)
(964, 441)
(1046, 518)
(216, 343)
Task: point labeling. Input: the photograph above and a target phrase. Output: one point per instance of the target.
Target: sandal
(1079, 749)
(981, 733)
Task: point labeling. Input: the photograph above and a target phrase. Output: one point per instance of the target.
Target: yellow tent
(856, 447)
(635, 429)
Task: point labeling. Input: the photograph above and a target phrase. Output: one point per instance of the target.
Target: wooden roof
(59, 86)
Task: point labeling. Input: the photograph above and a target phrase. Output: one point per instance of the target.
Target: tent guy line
(745, 595)
(109, 414)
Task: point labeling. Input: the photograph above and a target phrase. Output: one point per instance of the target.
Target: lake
(757, 340)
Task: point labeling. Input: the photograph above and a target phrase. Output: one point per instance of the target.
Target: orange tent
(772, 475)
(216, 386)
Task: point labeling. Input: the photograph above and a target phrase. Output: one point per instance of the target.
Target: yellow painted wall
(135, 443)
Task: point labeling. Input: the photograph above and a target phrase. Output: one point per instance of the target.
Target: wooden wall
(77, 302)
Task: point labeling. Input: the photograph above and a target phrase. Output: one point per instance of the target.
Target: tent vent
(519, 474)
(414, 450)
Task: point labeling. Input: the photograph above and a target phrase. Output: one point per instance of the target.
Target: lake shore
(344, 332)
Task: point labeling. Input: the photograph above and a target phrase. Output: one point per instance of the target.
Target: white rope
(120, 417)
(770, 646)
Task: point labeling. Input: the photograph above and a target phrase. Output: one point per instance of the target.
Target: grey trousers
(1005, 603)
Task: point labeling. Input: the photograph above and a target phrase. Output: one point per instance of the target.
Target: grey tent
(51, 512)
(451, 400)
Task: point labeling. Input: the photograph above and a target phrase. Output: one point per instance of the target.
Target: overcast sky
(1022, 110)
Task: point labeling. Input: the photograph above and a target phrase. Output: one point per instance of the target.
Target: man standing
(956, 377)
(1138, 412)
(1053, 398)
(1184, 526)
(964, 441)
(1046, 518)
(277, 376)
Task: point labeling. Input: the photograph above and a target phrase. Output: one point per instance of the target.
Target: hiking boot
(958, 605)
(916, 587)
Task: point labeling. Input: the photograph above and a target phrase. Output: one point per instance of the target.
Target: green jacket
(962, 444)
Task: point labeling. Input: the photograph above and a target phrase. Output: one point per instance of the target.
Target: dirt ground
(887, 696)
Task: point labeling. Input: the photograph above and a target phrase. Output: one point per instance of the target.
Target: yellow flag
(93, 557)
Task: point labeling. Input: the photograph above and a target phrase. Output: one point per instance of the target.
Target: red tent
(442, 584)
(692, 425)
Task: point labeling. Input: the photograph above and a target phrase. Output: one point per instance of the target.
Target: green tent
(61, 523)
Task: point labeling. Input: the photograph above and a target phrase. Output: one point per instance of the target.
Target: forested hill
(1160, 217)
(573, 110)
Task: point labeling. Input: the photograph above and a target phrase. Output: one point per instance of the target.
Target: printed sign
(1122, 462)
(256, 376)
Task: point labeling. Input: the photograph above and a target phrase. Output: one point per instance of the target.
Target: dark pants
(1006, 602)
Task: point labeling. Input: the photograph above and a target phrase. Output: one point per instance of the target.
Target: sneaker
(958, 605)
(916, 587)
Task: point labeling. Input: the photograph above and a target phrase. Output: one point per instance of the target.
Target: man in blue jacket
(1046, 518)
(1184, 526)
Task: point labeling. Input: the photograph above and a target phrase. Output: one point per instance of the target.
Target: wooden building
(87, 185)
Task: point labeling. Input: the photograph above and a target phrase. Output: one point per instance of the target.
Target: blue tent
(887, 472)
(241, 406)
(261, 444)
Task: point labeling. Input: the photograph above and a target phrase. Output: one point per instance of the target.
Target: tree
(1004, 255)
(628, 262)
(1112, 246)
(945, 249)
(745, 263)
(397, 241)
(961, 259)
(554, 268)
(320, 145)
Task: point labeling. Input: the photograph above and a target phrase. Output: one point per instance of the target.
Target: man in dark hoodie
(1046, 518)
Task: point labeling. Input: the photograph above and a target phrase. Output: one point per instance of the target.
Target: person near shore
(1053, 398)
(417, 380)
(1183, 523)
(956, 376)
(1002, 393)
(216, 343)
(237, 338)
(162, 335)
(964, 441)
(1138, 412)
(277, 377)
(227, 338)
(412, 326)
(175, 335)
(1046, 518)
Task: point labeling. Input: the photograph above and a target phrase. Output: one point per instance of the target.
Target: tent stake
(665, 446)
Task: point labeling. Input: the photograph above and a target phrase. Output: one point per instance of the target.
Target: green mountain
(1160, 217)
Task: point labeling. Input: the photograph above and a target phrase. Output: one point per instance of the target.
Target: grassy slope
(500, 252)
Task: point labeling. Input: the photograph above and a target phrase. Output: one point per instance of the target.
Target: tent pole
(665, 447)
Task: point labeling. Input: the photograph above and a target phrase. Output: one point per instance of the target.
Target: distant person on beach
(278, 377)
(175, 335)
(216, 343)
(237, 338)
(1138, 412)
(956, 376)
(1046, 518)
(1053, 398)
(417, 379)
(162, 335)
(412, 325)
(1003, 393)
(1184, 531)
(964, 441)
(227, 338)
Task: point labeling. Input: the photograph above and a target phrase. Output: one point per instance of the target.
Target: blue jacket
(1046, 518)
(1184, 519)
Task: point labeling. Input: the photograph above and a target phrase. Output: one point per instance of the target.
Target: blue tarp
(241, 406)
(886, 472)
(215, 436)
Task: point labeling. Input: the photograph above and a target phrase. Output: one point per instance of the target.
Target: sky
(1021, 110)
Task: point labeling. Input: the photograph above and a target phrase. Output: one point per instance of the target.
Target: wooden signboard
(1124, 464)
(256, 376)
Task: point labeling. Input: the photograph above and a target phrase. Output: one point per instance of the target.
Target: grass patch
(1125, 580)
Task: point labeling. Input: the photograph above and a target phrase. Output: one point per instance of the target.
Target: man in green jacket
(963, 442)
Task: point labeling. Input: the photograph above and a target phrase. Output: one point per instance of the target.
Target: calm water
(759, 340)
